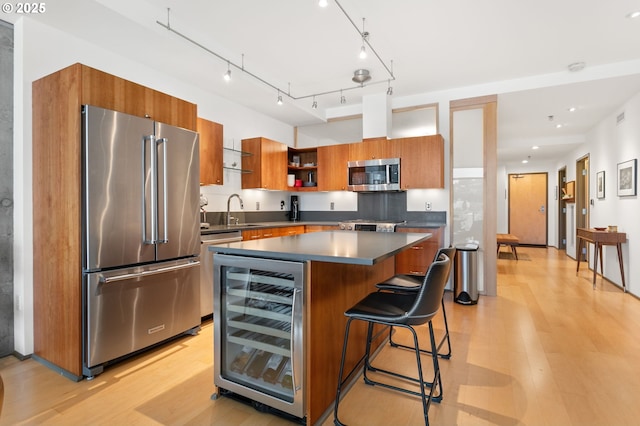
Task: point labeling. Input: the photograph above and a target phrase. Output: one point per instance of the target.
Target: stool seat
(408, 283)
(400, 310)
(392, 308)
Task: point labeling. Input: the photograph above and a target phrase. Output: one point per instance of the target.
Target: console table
(599, 239)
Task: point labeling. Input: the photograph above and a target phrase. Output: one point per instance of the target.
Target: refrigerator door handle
(163, 225)
(293, 368)
(124, 277)
(149, 199)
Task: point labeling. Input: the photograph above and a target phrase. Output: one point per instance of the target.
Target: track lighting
(361, 76)
(364, 34)
(227, 75)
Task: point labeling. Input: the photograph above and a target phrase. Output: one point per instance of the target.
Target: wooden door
(211, 152)
(528, 207)
(332, 167)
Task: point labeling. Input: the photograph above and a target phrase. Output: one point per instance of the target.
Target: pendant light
(227, 75)
(364, 34)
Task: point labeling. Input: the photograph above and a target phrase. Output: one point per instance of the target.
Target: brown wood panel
(528, 207)
(326, 322)
(318, 228)
(370, 149)
(416, 260)
(421, 161)
(332, 167)
(57, 219)
(111, 92)
(267, 162)
(211, 152)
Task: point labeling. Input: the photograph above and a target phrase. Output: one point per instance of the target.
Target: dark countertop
(219, 229)
(352, 247)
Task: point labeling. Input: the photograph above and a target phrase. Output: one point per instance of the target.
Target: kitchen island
(342, 267)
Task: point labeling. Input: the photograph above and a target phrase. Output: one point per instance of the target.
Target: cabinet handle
(417, 248)
(268, 235)
(253, 237)
(416, 272)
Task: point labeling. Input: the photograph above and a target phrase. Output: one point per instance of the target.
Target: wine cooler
(258, 331)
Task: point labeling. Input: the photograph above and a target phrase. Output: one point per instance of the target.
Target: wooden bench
(508, 240)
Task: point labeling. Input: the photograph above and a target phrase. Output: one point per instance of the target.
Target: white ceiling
(517, 49)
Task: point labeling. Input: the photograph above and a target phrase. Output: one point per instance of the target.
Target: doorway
(562, 210)
(582, 199)
(528, 208)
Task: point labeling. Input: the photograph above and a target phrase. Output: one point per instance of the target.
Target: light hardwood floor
(548, 350)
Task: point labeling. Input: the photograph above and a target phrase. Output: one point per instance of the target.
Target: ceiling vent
(620, 118)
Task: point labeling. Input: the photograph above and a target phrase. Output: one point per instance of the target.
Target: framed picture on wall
(627, 178)
(600, 184)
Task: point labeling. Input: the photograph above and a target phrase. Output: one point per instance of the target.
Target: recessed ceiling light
(571, 109)
(558, 126)
(323, 3)
(535, 147)
(525, 161)
(633, 14)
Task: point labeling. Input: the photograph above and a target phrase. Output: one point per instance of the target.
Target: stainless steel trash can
(465, 282)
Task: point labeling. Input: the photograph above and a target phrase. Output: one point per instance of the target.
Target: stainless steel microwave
(374, 175)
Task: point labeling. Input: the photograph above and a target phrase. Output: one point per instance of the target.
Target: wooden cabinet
(267, 162)
(108, 91)
(372, 149)
(416, 259)
(211, 152)
(318, 228)
(306, 169)
(57, 189)
(332, 167)
(256, 234)
(421, 161)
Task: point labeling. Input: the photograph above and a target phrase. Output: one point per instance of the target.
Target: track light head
(361, 76)
(227, 76)
(363, 52)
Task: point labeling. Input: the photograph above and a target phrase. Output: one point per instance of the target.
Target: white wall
(609, 144)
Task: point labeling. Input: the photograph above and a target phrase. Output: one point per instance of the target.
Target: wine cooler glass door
(258, 330)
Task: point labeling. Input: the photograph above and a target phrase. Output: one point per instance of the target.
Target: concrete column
(6, 189)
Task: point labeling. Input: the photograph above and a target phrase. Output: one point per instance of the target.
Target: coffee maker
(294, 212)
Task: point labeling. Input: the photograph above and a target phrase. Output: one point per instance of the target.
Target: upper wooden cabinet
(267, 161)
(332, 167)
(108, 91)
(57, 191)
(306, 169)
(421, 161)
(372, 149)
(211, 152)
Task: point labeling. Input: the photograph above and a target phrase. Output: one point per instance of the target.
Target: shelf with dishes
(302, 168)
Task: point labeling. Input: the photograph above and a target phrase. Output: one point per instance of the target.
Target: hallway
(549, 350)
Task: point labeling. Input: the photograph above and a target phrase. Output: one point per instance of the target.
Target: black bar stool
(406, 283)
(401, 310)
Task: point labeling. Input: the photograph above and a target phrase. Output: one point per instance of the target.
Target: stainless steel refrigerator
(141, 234)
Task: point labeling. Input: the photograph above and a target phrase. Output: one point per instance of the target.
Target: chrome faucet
(229, 217)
